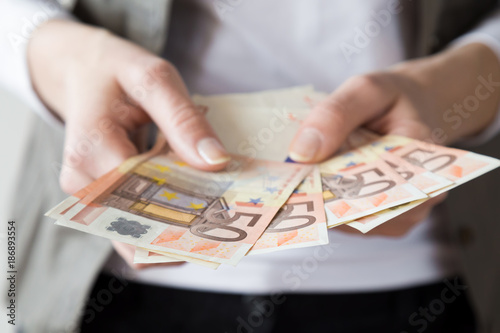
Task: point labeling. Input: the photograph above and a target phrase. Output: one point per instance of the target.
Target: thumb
(355, 102)
(167, 102)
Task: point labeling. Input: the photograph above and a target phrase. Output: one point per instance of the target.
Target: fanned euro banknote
(173, 213)
(301, 222)
(432, 168)
(157, 202)
(359, 183)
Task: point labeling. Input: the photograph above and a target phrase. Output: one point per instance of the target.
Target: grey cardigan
(57, 266)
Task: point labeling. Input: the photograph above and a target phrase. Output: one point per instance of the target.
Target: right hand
(106, 89)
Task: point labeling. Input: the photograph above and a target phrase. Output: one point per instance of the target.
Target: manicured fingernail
(306, 146)
(212, 151)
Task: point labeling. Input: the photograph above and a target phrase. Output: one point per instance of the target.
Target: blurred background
(15, 120)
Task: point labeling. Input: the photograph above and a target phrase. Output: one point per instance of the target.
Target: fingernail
(306, 146)
(212, 151)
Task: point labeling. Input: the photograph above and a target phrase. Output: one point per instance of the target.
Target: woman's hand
(442, 98)
(105, 89)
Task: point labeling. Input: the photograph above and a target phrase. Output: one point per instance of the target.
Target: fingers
(403, 120)
(357, 101)
(164, 97)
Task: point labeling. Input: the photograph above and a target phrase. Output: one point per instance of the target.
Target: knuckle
(150, 74)
(334, 110)
(337, 107)
(185, 117)
(367, 81)
(159, 70)
(72, 159)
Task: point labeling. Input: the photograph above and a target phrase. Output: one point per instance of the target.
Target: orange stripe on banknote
(168, 235)
(205, 245)
(248, 204)
(353, 167)
(294, 195)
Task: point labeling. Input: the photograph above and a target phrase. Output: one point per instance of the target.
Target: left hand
(442, 98)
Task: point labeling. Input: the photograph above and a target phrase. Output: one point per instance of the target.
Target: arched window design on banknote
(166, 203)
(147, 195)
(354, 186)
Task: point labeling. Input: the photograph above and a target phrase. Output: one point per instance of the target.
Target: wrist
(54, 52)
(463, 87)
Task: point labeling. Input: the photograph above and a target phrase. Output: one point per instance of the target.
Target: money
(301, 97)
(259, 204)
(422, 162)
(457, 165)
(259, 125)
(370, 222)
(359, 183)
(144, 256)
(301, 222)
(157, 202)
(423, 179)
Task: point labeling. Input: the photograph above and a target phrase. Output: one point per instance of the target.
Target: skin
(106, 90)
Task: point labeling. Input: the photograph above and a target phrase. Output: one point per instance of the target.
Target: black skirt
(125, 306)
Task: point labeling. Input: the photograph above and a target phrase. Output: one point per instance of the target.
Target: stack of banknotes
(261, 202)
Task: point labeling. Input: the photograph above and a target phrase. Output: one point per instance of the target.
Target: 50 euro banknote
(423, 179)
(454, 165)
(157, 202)
(146, 256)
(301, 222)
(359, 183)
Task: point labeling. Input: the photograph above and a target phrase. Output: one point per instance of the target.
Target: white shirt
(262, 44)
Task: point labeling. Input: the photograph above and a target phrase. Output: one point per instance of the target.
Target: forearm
(463, 88)
(482, 60)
